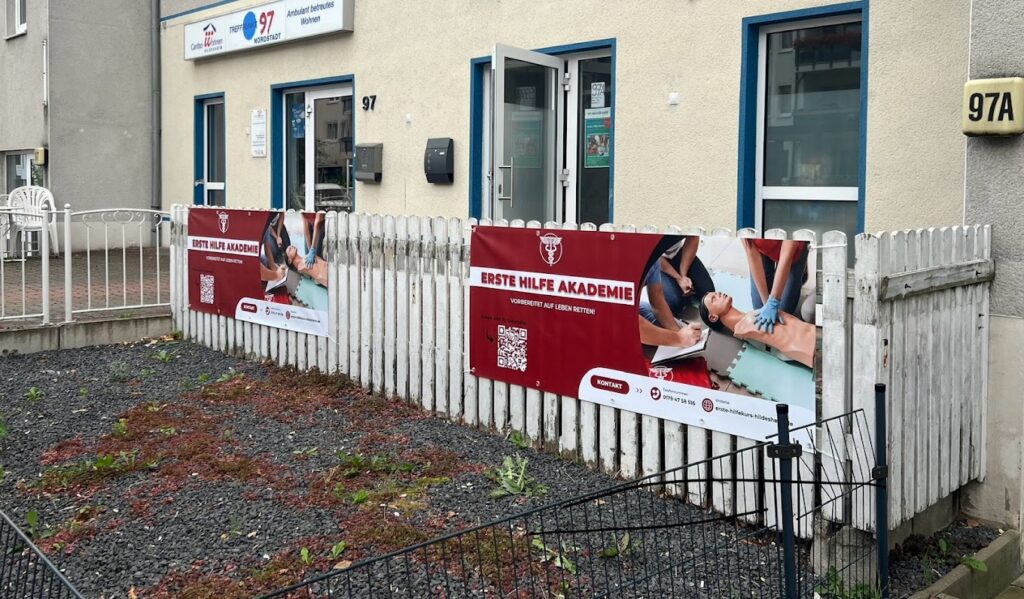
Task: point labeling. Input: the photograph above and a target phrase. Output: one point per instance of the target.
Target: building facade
(994, 177)
(789, 113)
(77, 86)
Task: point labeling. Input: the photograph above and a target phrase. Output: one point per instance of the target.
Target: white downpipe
(68, 295)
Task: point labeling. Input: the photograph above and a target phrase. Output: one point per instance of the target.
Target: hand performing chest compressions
(777, 270)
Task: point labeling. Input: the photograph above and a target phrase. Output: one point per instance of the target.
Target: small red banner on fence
(259, 266)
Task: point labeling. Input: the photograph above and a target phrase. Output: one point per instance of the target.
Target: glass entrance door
(528, 103)
(318, 149)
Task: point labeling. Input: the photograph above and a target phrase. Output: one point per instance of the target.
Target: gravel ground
(220, 472)
(919, 561)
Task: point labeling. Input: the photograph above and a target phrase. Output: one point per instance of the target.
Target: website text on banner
(709, 332)
(258, 266)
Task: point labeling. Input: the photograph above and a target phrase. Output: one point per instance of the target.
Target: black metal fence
(24, 570)
(788, 521)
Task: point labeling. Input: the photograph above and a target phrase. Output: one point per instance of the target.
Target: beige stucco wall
(918, 59)
(672, 164)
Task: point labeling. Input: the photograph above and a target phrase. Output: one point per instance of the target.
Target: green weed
(34, 394)
(120, 428)
(620, 547)
(164, 356)
(518, 439)
(835, 588)
(306, 452)
(32, 520)
(305, 556)
(512, 479)
(82, 392)
(558, 558)
(120, 371)
(338, 549)
(230, 375)
(975, 564)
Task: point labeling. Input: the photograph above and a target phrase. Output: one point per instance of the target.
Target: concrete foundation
(83, 334)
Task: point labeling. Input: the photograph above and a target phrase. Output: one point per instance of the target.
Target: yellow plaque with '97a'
(994, 106)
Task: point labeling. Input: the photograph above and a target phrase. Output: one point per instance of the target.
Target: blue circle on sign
(249, 25)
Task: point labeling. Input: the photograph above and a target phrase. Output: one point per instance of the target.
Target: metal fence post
(880, 474)
(68, 296)
(44, 235)
(785, 451)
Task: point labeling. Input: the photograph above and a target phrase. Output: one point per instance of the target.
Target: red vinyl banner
(259, 266)
(639, 322)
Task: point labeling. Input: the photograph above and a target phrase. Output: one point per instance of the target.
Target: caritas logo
(288, 315)
(247, 307)
(708, 405)
(209, 32)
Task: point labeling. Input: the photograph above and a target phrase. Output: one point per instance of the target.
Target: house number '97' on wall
(369, 102)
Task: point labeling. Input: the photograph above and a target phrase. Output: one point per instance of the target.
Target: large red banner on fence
(639, 322)
(259, 266)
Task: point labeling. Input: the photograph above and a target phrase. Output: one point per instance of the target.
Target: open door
(528, 102)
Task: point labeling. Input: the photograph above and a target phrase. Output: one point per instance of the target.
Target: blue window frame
(199, 144)
(749, 94)
(477, 168)
(277, 127)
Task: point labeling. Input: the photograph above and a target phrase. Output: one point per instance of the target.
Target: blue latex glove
(768, 316)
(311, 256)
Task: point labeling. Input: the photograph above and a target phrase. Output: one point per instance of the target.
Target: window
(20, 170)
(17, 17)
(214, 153)
(809, 146)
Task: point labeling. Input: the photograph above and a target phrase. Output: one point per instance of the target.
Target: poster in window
(298, 120)
(527, 133)
(597, 128)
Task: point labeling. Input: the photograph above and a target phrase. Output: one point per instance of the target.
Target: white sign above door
(265, 25)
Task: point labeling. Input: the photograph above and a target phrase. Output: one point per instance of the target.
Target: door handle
(511, 181)
(199, 182)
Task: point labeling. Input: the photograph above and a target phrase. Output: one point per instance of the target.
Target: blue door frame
(199, 144)
(277, 127)
(746, 183)
(477, 68)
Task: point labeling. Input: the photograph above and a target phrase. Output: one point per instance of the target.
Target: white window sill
(16, 34)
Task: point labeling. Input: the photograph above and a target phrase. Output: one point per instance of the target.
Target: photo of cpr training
(292, 266)
(731, 314)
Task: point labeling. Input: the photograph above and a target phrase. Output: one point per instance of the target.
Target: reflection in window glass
(817, 215)
(812, 107)
(215, 158)
(595, 141)
(295, 151)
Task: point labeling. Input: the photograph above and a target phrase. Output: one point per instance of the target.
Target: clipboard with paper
(668, 353)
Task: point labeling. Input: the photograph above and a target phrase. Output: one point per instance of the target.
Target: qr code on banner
(512, 348)
(206, 289)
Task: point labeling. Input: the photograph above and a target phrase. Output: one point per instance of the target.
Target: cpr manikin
(793, 337)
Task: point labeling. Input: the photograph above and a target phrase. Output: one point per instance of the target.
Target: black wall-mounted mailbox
(369, 158)
(439, 161)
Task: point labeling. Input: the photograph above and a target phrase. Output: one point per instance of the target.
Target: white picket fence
(399, 299)
(921, 326)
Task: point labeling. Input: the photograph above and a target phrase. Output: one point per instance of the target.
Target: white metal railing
(114, 259)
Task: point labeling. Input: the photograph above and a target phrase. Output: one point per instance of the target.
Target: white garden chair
(26, 216)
